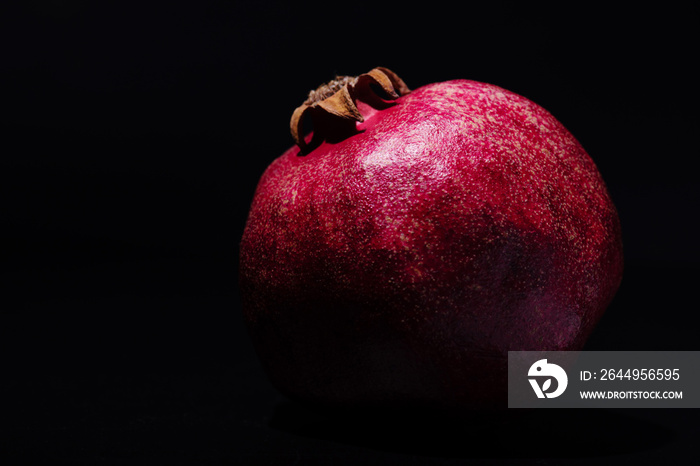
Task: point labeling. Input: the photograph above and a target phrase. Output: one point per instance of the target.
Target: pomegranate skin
(398, 267)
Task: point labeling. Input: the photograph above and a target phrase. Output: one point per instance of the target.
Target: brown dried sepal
(336, 100)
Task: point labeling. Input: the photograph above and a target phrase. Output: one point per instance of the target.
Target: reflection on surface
(543, 433)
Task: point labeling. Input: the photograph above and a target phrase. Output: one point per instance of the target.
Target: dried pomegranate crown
(336, 99)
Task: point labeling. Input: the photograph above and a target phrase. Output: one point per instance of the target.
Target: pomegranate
(394, 256)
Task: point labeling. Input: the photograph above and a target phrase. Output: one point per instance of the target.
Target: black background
(133, 136)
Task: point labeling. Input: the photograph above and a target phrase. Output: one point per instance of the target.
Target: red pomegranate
(395, 258)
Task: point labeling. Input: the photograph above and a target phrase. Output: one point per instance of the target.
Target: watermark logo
(543, 369)
(603, 379)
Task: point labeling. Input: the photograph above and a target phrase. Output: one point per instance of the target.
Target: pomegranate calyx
(335, 100)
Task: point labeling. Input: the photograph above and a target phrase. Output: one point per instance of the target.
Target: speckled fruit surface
(398, 266)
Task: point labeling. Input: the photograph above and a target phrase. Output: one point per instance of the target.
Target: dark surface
(133, 137)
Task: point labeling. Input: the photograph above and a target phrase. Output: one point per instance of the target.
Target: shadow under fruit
(395, 256)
